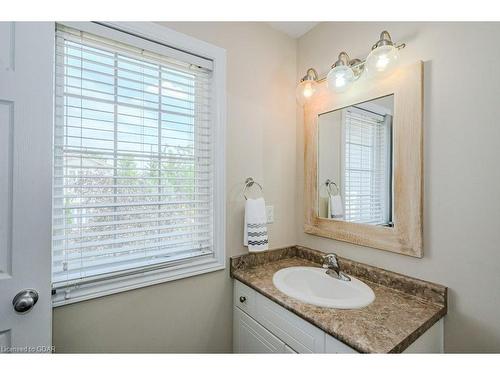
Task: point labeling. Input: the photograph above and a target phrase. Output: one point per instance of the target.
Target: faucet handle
(330, 261)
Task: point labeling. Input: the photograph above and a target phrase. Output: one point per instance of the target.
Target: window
(367, 166)
(137, 181)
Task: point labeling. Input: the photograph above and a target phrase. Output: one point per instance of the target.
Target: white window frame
(151, 32)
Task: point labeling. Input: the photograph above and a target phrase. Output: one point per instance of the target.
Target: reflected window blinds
(367, 166)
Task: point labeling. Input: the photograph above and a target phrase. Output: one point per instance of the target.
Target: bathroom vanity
(363, 185)
(405, 316)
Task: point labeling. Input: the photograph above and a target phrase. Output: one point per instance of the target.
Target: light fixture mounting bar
(382, 58)
(358, 65)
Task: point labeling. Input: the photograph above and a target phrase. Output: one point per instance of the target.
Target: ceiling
(293, 29)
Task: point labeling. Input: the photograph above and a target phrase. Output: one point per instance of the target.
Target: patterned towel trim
(256, 243)
(261, 225)
(258, 234)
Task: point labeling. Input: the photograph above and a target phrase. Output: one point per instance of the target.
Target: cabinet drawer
(298, 334)
(244, 297)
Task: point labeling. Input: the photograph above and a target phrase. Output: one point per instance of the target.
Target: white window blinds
(133, 159)
(367, 166)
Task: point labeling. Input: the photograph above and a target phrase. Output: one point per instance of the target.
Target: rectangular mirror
(363, 160)
(355, 163)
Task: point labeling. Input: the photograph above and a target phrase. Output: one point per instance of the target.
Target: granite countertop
(404, 307)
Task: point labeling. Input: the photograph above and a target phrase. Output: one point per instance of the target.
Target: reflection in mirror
(355, 163)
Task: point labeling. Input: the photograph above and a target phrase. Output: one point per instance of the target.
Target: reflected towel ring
(249, 182)
(329, 184)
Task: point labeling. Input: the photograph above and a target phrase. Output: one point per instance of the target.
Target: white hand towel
(255, 229)
(336, 207)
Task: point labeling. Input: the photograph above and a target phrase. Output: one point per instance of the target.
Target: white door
(26, 107)
(251, 337)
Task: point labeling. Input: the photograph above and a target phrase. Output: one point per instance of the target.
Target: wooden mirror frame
(405, 237)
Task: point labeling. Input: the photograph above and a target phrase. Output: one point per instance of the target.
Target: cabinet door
(298, 334)
(251, 337)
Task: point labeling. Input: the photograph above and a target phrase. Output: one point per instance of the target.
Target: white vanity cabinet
(262, 326)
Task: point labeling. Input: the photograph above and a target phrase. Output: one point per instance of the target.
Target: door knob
(25, 300)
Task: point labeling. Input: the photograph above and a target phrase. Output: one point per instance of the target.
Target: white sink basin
(312, 285)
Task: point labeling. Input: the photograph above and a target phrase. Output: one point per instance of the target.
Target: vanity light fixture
(344, 72)
(307, 86)
(384, 56)
(381, 61)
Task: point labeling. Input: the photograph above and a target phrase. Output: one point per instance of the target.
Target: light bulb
(305, 91)
(340, 78)
(382, 60)
(308, 90)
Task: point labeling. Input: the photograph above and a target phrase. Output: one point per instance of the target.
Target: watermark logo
(28, 349)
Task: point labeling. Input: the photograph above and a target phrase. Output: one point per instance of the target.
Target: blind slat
(120, 241)
(117, 223)
(60, 214)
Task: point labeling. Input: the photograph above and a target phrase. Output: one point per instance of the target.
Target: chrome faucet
(331, 262)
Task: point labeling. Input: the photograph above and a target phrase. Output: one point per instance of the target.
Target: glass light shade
(305, 90)
(382, 61)
(340, 78)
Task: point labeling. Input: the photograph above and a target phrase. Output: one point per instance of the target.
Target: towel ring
(329, 184)
(249, 182)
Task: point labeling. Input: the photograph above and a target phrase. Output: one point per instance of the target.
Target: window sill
(122, 284)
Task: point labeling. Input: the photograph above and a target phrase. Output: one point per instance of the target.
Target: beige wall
(195, 314)
(462, 172)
